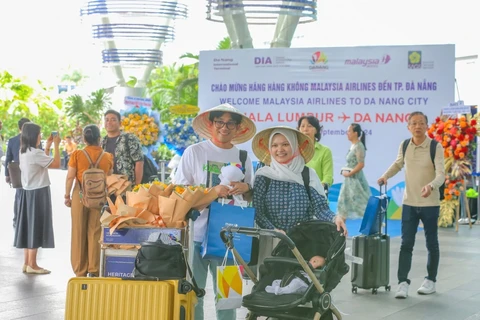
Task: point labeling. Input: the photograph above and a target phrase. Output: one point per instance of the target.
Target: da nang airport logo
(319, 60)
(414, 59)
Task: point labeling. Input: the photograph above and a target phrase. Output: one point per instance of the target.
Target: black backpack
(433, 150)
(149, 170)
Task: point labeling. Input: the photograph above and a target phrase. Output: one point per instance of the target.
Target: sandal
(37, 271)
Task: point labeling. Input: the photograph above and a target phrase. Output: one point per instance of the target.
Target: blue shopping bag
(374, 215)
(220, 216)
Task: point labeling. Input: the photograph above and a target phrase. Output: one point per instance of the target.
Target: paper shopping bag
(374, 215)
(224, 215)
(229, 288)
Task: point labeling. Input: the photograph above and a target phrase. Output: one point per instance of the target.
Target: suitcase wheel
(387, 288)
(374, 291)
(354, 289)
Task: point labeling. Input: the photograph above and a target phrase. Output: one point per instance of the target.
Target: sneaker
(402, 290)
(428, 287)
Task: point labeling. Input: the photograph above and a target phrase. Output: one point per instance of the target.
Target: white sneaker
(402, 290)
(428, 287)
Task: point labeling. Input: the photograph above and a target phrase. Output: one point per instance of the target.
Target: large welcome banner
(377, 87)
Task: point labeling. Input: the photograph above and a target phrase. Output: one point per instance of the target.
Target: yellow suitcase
(118, 299)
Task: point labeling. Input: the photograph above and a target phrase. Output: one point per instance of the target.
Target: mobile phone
(54, 133)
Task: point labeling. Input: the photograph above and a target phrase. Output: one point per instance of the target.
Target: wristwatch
(431, 186)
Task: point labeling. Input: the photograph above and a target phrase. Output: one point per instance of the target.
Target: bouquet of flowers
(453, 188)
(156, 204)
(457, 138)
(179, 134)
(144, 123)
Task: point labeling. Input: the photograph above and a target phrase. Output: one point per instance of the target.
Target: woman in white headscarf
(280, 196)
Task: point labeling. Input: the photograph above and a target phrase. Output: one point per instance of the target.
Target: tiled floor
(43, 297)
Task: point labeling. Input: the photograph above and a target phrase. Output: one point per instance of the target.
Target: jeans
(410, 219)
(200, 271)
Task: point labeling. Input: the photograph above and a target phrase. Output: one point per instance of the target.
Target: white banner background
(376, 87)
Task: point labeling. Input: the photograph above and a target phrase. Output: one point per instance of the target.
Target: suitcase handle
(384, 193)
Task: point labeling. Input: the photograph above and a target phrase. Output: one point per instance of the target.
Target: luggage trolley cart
(117, 261)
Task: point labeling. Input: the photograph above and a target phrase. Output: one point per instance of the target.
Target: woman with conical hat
(281, 198)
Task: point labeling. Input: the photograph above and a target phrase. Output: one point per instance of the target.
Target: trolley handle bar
(255, 232)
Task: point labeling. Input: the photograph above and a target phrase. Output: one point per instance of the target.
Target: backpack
(149, 170)
(243, 159)
(433, 150)
(94, 185)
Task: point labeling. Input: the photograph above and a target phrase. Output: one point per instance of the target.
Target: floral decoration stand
(456, 134)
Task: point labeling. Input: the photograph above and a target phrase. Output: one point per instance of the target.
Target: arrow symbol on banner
(344, 117)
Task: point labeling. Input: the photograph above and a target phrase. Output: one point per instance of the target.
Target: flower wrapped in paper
(173, 209)
(117, 184)
(156, 204)
(121, 215)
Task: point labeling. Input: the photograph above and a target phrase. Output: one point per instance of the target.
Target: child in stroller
(304, 241)
(296, 281)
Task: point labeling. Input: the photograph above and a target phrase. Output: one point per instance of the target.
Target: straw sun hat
(202, 125)
(260, 144)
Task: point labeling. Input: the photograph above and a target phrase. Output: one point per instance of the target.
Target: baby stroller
(304, 241)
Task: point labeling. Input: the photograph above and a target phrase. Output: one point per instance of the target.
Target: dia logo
(263, 60)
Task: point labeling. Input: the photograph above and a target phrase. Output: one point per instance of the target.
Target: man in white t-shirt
(223, 127)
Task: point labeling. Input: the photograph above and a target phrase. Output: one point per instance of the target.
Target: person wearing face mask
(355, 191)
(223, 126)
(281, 199)
(322, 161)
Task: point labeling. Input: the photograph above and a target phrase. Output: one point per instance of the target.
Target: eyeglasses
(220, 124)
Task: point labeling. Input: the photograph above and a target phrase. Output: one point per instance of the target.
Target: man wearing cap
(223, 127)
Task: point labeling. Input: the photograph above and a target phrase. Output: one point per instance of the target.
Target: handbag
(221, 216)
(375, 213)
(229, 285)
(160, 261)
(15, 175)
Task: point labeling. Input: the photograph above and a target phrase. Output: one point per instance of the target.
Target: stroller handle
(253, 232)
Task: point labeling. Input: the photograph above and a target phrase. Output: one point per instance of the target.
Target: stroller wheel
(354, 289)
(387, 288)
(251, 316)
(374, 291)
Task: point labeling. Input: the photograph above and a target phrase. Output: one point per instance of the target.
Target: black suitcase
(375, 252)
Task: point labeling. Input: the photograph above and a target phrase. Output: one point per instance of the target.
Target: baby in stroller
(306, 242)
(296, 281)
